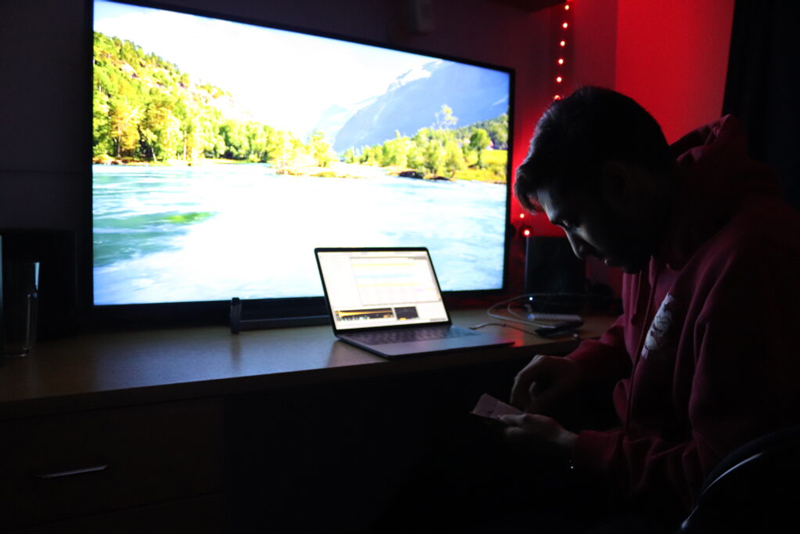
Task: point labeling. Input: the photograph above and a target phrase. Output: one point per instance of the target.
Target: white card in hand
(493, 408)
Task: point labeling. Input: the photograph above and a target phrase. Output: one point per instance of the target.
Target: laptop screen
(373, 288)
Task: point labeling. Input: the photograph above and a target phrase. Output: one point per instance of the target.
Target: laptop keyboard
(415, 334)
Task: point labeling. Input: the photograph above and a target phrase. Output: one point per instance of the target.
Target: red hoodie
(707, 350)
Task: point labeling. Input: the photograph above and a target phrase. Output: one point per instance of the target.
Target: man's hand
(532, 430)
(543, 381)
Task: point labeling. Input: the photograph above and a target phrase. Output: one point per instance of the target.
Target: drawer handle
(72, 472)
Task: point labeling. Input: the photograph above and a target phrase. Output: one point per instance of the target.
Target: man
(705, 356)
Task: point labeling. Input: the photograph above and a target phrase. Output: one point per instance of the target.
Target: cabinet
(196, 430)
(107, 470)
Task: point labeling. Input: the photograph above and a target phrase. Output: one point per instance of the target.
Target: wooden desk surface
(104, 369)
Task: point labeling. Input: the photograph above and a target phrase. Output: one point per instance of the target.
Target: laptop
(388, 301)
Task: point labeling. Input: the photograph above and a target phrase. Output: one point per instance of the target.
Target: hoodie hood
(717, 176)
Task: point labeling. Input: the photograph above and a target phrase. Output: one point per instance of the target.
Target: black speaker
(552, 267)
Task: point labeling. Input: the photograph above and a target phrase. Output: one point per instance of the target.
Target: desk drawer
(196, 515)
(58, 467)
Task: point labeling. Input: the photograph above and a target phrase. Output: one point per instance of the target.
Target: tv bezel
(266, 312)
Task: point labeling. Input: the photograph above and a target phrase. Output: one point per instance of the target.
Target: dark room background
(762, 85)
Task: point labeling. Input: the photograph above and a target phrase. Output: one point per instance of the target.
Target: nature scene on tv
(223, 153)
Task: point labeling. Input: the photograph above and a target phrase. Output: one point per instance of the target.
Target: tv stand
(238, 324)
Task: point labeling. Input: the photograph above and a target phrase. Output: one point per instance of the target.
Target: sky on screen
(284, 79)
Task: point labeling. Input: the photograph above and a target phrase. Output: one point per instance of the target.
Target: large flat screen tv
(225, 151)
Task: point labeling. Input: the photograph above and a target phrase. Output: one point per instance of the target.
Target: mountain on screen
(413, 101)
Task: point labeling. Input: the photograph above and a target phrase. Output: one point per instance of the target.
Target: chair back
(755, 489)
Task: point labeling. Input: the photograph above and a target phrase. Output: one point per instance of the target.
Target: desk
(165, 405)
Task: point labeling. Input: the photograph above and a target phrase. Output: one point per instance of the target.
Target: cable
(492, 313)
(544, 329)
(538, 332)
(504, 325)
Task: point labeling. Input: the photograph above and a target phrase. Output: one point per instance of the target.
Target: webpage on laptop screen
(381, 288)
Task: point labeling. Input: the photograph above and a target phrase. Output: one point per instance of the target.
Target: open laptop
(388, 301)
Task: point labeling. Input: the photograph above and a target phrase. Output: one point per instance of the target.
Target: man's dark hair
(577, 135)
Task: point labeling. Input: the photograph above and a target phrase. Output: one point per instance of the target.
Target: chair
(755, 489)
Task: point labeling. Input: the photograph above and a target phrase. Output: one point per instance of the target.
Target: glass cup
(19, 311)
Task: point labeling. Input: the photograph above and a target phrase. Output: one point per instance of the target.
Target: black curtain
(762, 86)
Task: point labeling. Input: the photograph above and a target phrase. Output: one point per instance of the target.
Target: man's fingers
(512, 419)
(520, 396)
(520, 391)
(542, 398)
(528, 421)
(537, 397)
(542, 382)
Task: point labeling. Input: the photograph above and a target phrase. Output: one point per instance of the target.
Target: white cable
(492, 313)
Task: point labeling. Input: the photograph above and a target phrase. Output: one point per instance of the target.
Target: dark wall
(762, 85)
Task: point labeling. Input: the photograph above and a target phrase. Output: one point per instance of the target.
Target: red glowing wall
(672, 57)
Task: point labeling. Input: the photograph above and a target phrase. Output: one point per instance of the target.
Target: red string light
(561, 60)
(561, 76)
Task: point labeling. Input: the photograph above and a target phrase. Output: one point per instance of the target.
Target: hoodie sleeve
(740, 374)
(605, 359)
(646, 465)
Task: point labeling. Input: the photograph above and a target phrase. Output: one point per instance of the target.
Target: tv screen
(224, 152)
